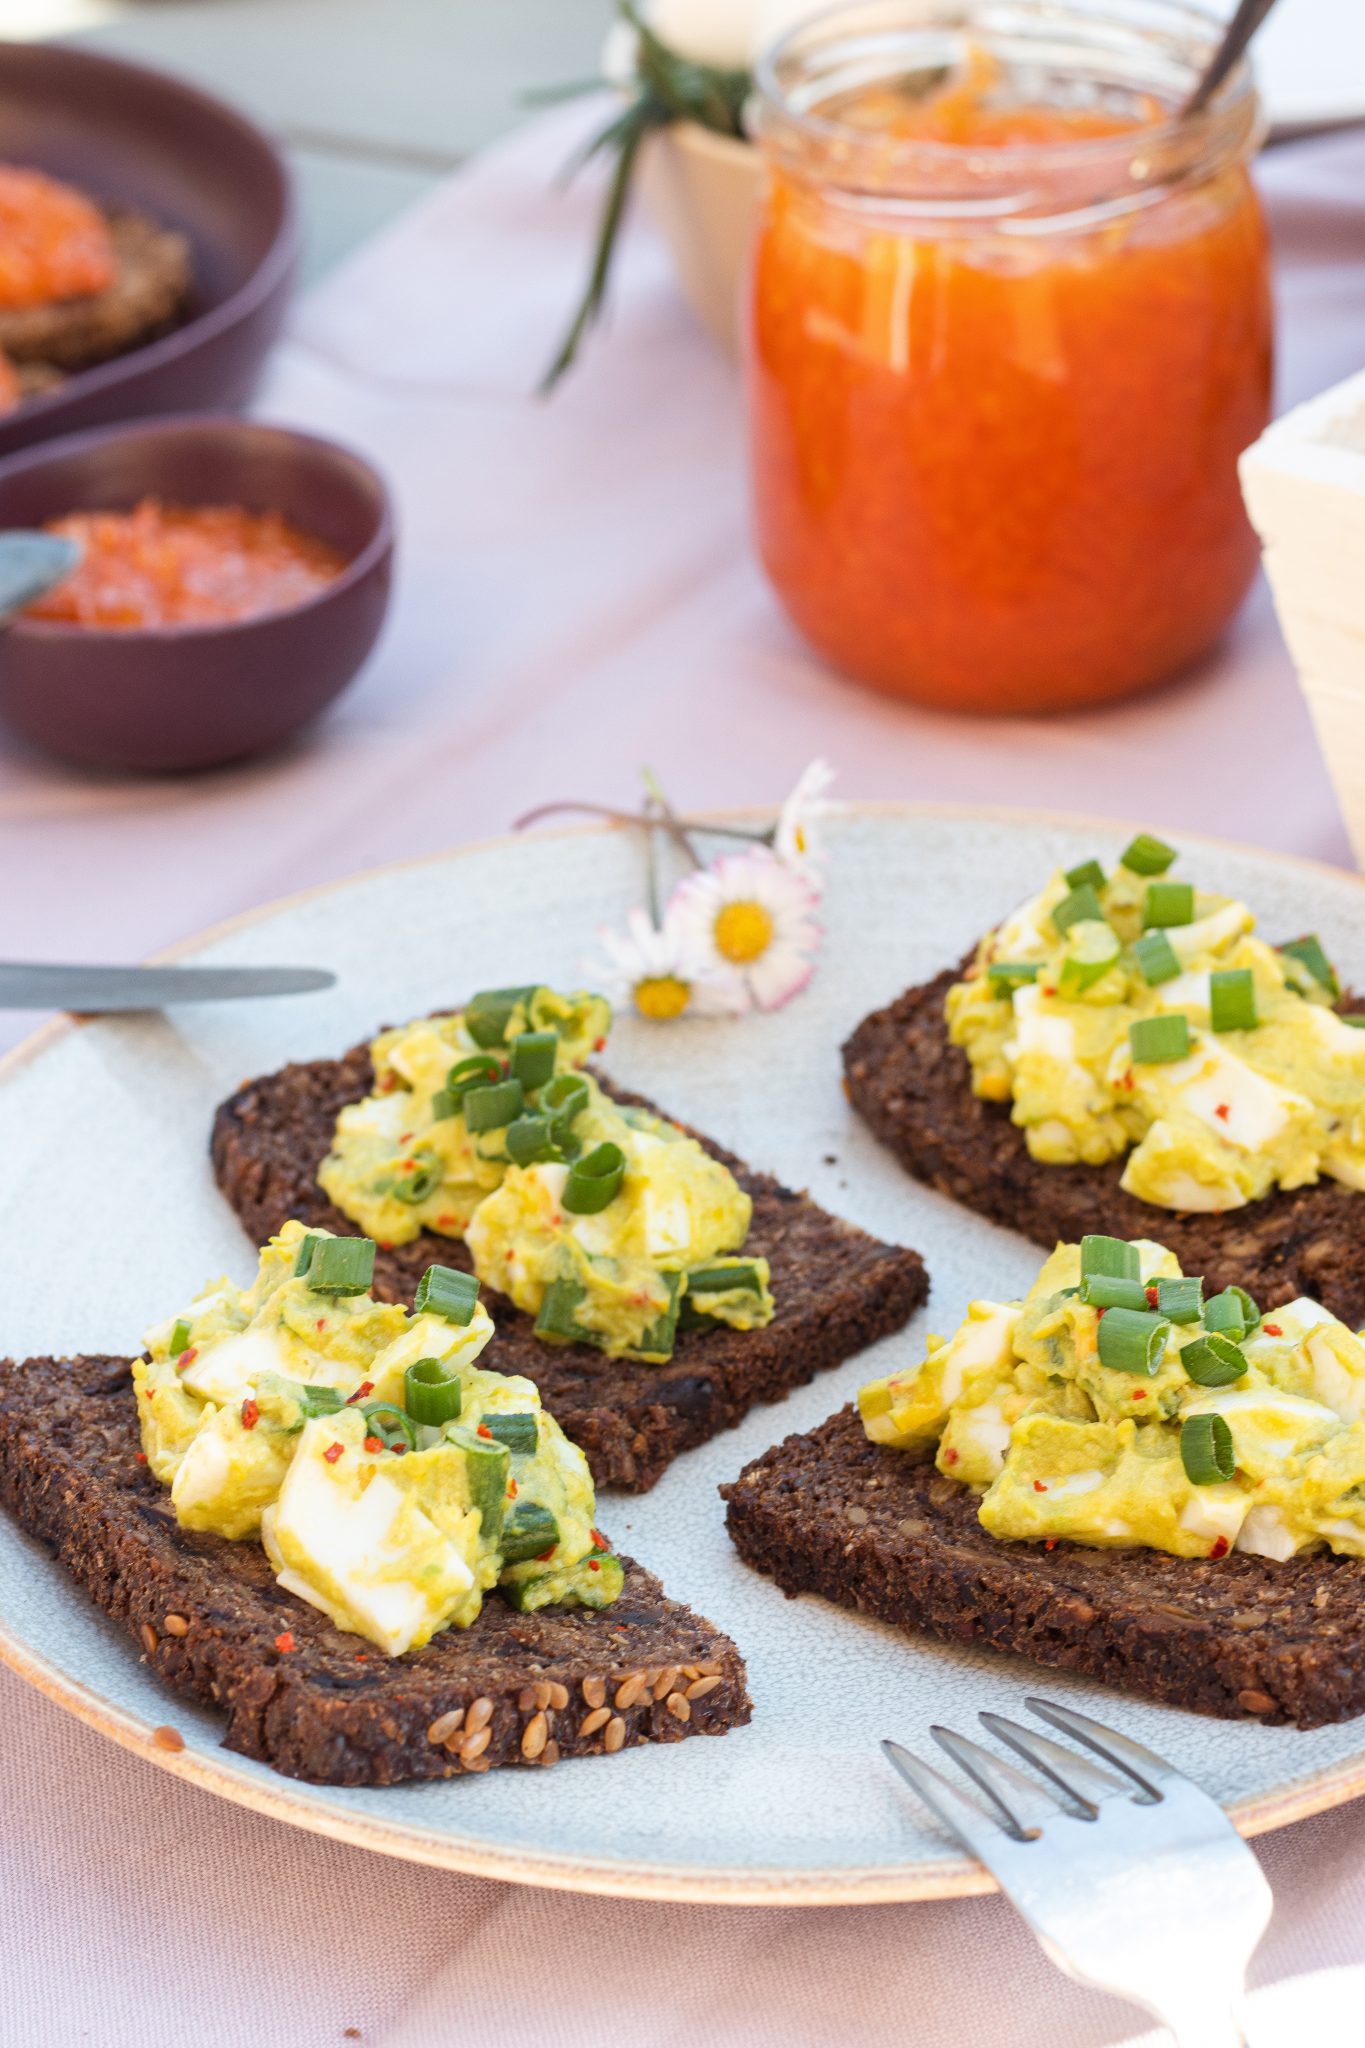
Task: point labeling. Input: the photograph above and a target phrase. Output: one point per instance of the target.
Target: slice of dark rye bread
(837, 1289)
(152, 283)
(875, 1529)
(512, 1689)
(914, 1091)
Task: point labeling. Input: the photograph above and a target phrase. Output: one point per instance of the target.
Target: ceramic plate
(798, 1808)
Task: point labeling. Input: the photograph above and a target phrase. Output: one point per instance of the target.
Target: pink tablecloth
(576, 597)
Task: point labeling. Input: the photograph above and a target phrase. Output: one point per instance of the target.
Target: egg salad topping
(1116, 1405)
(1126, 1012)
(392, 1481)
(606, 1223)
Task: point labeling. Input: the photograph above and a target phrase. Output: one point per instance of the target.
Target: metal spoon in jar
(1238, 33)
(30, 565)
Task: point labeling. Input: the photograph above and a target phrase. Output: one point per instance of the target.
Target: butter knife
(42, 986)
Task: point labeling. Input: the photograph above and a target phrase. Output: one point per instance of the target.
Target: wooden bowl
(702, 190)
(132, 137)
(174, 698)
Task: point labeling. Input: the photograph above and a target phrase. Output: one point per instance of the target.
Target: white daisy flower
(797, 839)
(751, 915)
(661, 974)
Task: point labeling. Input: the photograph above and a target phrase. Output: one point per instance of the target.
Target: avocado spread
(606, 1223)
(1115, 1405)
(1126, 1010)
(391, 1480)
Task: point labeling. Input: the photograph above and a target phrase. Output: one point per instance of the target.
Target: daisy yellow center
(662, 996)
(743, 932)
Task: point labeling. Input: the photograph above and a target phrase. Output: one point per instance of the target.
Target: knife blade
(40, 985)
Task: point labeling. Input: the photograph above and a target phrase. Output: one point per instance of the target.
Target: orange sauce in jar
(172, 565)
(994, 453)
(54, 242)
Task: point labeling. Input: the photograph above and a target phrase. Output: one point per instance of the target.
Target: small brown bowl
(174, 698)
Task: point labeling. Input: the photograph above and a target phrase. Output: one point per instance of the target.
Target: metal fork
(1132, 1879)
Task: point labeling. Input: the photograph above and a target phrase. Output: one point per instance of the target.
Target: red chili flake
(362, 1656)
(365, 1387)
(484, 1430)
(383, 1244)
(187, 1358)
(599, 1045)
(1051, 1543)
(399, 1450)
(1153, 1296)
(1223, 1110)
(284, 1643)
(387, 1083)
(1100, 1313)
(600, 1540)
(140, 1457)
(1126, 1080)
(251, 1414)
(374, 1443)
(511, 1489)
(333, 1452)
(1049, 991)
(1272, 1329)
(322, 1322)
(546, 1555)
(1038, 1486)
(1139, 1393)
(509, 1255)
(406, 1138)
(447, 1221)
(1220, 1547)
(593, 1565)
(950, 1457)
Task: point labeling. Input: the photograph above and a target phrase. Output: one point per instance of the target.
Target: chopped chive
(1180, 1301)
(1113, 1257)
(557, 1320)
(431, 1391)
(1168, 903)
(1157, 958)
(488, 1014)
(1308, 951)
(594, 1181)
(319, 1400)
(1156, 1041)
(1213, 1361)
(305, 1257)
(658, 1340)
(1109, 1290)
(529, 1532)
(1007, 975)
(341, 1265)
(531, 1139)
(533, 1057)
(1147, 855)
(1092, 949)
(180, 1338)
(388, 1422)
(743, 1274)
(1081, 906)
(442, 1291)
(420, 1184)
(1233, 1312)
(1206, 1450)
(1088, 871)
(491, 1109)
(520, 1432)
(1355, 1018)
(1133, 1340)
(1232, 999)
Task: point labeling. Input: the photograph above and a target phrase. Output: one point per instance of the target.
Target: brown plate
(132, 137)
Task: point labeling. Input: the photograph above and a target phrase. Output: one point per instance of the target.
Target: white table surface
(575, 597)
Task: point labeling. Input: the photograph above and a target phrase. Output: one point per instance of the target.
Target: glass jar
(1010, 329)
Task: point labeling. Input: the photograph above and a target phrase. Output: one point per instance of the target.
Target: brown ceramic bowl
(133, 137)
(173, 698)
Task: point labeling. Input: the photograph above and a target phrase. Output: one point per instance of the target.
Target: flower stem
(620, 817)
(671, 819)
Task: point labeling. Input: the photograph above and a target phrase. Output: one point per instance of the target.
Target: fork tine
(963, 1819)
(1011, 1794)
(1134, 1759)
(1081, 1783)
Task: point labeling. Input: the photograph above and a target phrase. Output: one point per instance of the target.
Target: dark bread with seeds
(914, 1091)
(886, 1533)
(837, 1289)
(150, 292)
(335, 1710)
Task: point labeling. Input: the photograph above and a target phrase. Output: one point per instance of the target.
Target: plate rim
(296, 1805)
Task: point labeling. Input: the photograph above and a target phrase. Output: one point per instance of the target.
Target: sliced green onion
(658, 1340)
(479, 1070)
(341, 1265)
(1308, 951)
(557, 1321)
(1355, 1018)
(431, 1391)
(442, 1291)
(1082, 906)
(1147, 855)
(1113, 1257)
(531, 1138)
(594, 1180)
(1004, 976)
(1088, 871)
(1180, 1301)
(389, 1424)
(1168, 903)
(490, 1109)
(743, 1274)
(1091, 950)
(1157, 958)
(319, 1400)
(1213, 1361)
(1233, 1312)
(1133, 1340)
(305, 1257)
(486, 1467)
(520, 1432)
(1206, 1450)
(420, 1184)
(180, 1338)
(564, 1098)
(1232, 999)
(488, 1014)
(1156, 1041)
(529, 1532)
(1107, 1290)
(533, 1057)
